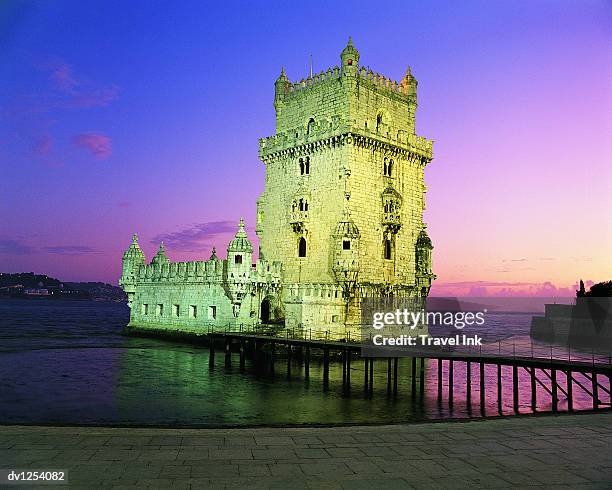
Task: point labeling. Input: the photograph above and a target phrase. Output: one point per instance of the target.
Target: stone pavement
(568, 450)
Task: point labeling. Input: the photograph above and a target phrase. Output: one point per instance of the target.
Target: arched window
(301, 166)
(389, 168)
(311, 125)
(387, 249)
(307, 167)
(379, 120)
(302, 247)
(385, 166)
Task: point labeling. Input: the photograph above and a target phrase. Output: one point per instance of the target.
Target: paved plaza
(566, 451)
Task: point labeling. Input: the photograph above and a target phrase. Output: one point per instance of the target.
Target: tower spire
(310, 73)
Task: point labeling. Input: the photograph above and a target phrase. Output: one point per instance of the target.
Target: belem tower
(340, 218)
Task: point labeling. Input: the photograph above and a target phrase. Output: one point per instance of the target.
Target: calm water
(66, 363)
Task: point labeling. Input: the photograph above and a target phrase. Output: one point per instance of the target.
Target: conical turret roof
(423, 241)
(241, 242)
(346, 227)
(350, 50)
(160, 257)
(134, 251)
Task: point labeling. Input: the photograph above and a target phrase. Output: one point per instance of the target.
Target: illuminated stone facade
(340, 218)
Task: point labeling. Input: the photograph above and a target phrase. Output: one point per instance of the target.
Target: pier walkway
(544, 451)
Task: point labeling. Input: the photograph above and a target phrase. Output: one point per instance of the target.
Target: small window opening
(311, 124)
(387, 249)
(212, 312)
(238, 259)
(193, 311)
(346, 245)
(302, 168)
(307, 167)
(302, 247)
(176, 310)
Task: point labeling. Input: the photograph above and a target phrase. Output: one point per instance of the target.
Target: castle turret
(424, 274)
(281, 87)
(239, 263)
(350, 59)
(133, 259)
(160, 258)
(408, 85)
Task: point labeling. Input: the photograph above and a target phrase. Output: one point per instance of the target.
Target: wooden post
(289, 355)
(595, 391)
(365, 374)
(499, 389)
(413, 377)
(439, 379)
(534, 393)
(570, 399)
(422, 377)
(388, 376)
(307, 363)
(348, 368)
(450, 381)
(344, 367)
(326, 366)
(371, 389)
(211, 351)
(242, 355)
(395, 363)
(482, 387)
(555, 397)
(272, 356)
(228, 353)
(468, 368)
(515, 387)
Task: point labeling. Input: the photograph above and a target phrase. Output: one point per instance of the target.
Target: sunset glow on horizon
(132, 118)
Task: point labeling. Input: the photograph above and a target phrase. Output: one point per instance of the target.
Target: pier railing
(510, 348)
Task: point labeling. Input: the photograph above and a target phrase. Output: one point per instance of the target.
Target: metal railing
(510, 348)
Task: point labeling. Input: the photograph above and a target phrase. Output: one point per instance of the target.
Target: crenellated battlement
(337, 131)
(194, 271)
(374, 80)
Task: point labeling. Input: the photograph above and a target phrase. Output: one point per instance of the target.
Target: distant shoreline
(51, 297)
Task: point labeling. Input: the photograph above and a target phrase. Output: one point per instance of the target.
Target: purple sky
(121, 117)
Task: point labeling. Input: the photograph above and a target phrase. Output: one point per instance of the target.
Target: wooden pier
(543, 372)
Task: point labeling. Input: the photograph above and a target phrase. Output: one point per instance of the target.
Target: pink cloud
(68, 91)
(62, 76)
(502, 289)
(97, 144)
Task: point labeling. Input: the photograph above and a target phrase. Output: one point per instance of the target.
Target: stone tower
(344, 192)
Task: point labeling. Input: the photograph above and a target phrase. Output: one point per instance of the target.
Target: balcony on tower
(392, 205)
(299, 214)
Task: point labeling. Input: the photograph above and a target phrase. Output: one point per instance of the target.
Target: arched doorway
(265, 311)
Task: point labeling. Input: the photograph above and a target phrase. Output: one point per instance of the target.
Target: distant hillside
(99, 290)
(30, 285)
